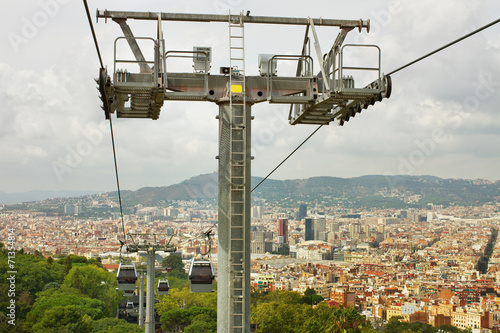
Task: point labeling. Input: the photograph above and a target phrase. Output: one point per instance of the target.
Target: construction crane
(316, 98)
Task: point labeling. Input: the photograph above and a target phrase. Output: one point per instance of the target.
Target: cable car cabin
(126, 277)
(201, 276)
(163, 287)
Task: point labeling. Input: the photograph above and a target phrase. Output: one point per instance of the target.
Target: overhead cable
(317, 129)
(93, 32)
(445, 46)
(110, 122)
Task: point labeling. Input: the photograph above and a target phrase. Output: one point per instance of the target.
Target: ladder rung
(237, 48)
(237, 59)
(232, 36)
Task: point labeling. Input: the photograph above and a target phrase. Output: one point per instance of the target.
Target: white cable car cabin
(126, 278)
(163, 287)
(201, 276)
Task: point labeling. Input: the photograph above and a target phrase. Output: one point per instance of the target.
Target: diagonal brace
(326, 83)
(145, 69)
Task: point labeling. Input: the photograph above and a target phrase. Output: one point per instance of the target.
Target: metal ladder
(238, 160)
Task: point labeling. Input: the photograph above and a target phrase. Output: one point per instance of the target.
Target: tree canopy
(290, 312)
(174, 265)
(48, 300)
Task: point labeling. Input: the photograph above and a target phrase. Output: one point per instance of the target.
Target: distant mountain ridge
(13, 198)
(365, 191)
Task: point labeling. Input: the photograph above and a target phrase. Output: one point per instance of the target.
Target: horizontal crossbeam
(225, 18)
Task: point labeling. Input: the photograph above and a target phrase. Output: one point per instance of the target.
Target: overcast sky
(442, 119)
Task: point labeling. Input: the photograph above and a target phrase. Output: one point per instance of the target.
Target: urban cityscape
(424, 265)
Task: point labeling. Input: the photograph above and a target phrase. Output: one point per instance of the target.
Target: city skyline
(440, 119)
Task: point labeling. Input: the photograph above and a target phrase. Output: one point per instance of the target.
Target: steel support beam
(153, 16)
(150, 292)
(141, 299)
(233, 272)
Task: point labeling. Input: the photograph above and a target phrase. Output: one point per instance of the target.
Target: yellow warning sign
(236, 88)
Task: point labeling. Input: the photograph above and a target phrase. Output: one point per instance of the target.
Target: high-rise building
(283, 229)
(335, 227)
(319, 228)
(256, 212)
(302, 212)
(309, 229)
(73, 209)
(259, 245)
(354, 230)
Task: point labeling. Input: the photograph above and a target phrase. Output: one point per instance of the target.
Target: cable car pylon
(150, 244)
(328, 95)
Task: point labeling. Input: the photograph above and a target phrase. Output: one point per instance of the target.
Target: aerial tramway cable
(93, 32)
(286, 158)
(110, 125)
(446, 46)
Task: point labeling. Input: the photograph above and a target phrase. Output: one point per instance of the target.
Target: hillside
(366, 191)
